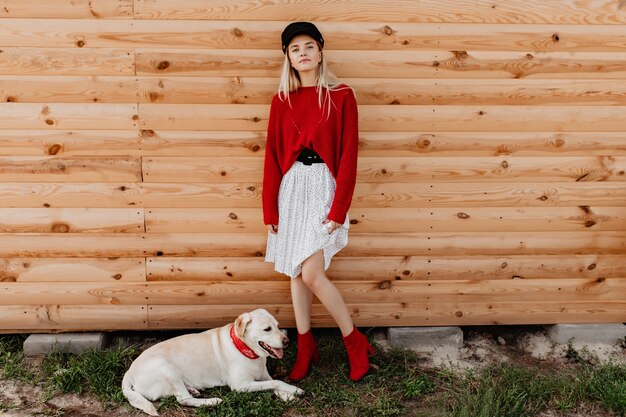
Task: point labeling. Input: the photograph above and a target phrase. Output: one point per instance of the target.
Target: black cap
(299, 28)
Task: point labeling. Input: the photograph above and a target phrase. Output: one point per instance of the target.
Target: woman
(308, 182)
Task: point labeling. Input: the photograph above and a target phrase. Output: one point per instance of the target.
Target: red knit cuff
(270, 216)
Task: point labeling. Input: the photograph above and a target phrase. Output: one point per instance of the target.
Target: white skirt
(304, 199)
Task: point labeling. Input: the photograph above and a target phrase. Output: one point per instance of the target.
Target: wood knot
(481, 113)
(54, 149)
(238, 33)
(424, 143)
(600, 280)
(354, 221)
(591, 267)
(251, 188)
(256, 119)
(135, 117)
(163, 65)
(159, 253)
(460, 54)
(435, 64)
(232, 216)
(406, 272)
(8, 278)
(223, 173)
(461, 215)
(60, 228)
(559, 143)
(154, 96)
(122, 188)
(388, 31)
(529, 56)
(384, 285)
(383, 171)
(395, 101)
(229, 274)
(258, 253)
(255, 148)
(46, 205)
(11, 99)
(117, 276)
(555, 37)
(504, 265)
(543, 198)
(504, 164)
(200, 293)
(458, 313)
(80, 44)
(405, 42)
(49, 122)
(589, 223)
(26, 264)
(147, 133)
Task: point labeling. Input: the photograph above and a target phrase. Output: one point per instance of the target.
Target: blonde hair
(325, 82)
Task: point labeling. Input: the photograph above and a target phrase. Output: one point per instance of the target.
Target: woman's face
(304, 54)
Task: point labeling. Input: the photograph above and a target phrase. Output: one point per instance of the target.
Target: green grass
(398, 386)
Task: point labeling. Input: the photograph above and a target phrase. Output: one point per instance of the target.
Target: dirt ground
(482, 346)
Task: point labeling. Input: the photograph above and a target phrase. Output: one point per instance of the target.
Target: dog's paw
(194, 392)
(291, 394)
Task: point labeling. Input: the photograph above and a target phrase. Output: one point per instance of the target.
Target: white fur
(202, 360)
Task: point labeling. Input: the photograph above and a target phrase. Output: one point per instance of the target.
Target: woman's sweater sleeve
(346, 171)
(271, 172)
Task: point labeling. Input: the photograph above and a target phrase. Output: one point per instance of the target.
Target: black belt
(308, 157)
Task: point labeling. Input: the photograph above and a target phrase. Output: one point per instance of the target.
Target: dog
(233, 355)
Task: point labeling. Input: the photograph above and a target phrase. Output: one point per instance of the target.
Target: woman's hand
(273, 228)
(332, 227)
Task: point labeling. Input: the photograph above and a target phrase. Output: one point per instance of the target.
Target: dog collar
(242, 347)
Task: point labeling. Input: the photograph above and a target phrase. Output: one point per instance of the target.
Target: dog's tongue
(278, 352)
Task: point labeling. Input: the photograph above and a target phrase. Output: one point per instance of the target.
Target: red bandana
(242, 347)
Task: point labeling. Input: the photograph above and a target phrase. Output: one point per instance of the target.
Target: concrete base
(43, 344)
(609, 333)
(425, 338)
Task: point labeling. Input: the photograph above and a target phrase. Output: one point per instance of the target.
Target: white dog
(233, 355)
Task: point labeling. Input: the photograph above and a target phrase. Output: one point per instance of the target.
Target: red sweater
(304, 125)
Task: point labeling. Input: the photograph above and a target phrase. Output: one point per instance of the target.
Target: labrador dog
(233, 355)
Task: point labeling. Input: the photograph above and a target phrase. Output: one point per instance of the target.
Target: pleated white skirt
(304, 199)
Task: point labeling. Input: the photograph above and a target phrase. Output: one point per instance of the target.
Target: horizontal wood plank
(356, 268)
(260, 90)
(71, 220)
(366, 195)
(66, 9)
(275, 292)
(400, 314)
(47, 318)
(396, 118)
(68, 116)
(402, 169)
(252, 143)
(66, 61)
(389, 220)
(361, 244)
(72, 269)
(429, 11)
(365, 36)
(442, 64)
(72, 169)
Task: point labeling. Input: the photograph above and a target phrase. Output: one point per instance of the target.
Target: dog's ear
(241, 323)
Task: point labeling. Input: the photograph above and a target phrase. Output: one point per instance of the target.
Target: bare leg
(301, 297)
(314, 277)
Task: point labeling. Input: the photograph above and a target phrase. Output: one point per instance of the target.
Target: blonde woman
(308, 182)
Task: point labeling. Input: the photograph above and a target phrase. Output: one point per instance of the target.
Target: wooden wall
(491, 180)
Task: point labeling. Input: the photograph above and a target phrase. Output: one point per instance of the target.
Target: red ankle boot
(358, 348)
(307, 351)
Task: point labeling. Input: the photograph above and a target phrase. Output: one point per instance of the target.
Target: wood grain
(396, 268)
(361, 244)
(71, 220)
(363, 36)
(72, 269)
(66, 9)
(400, 314)
(429, 11)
